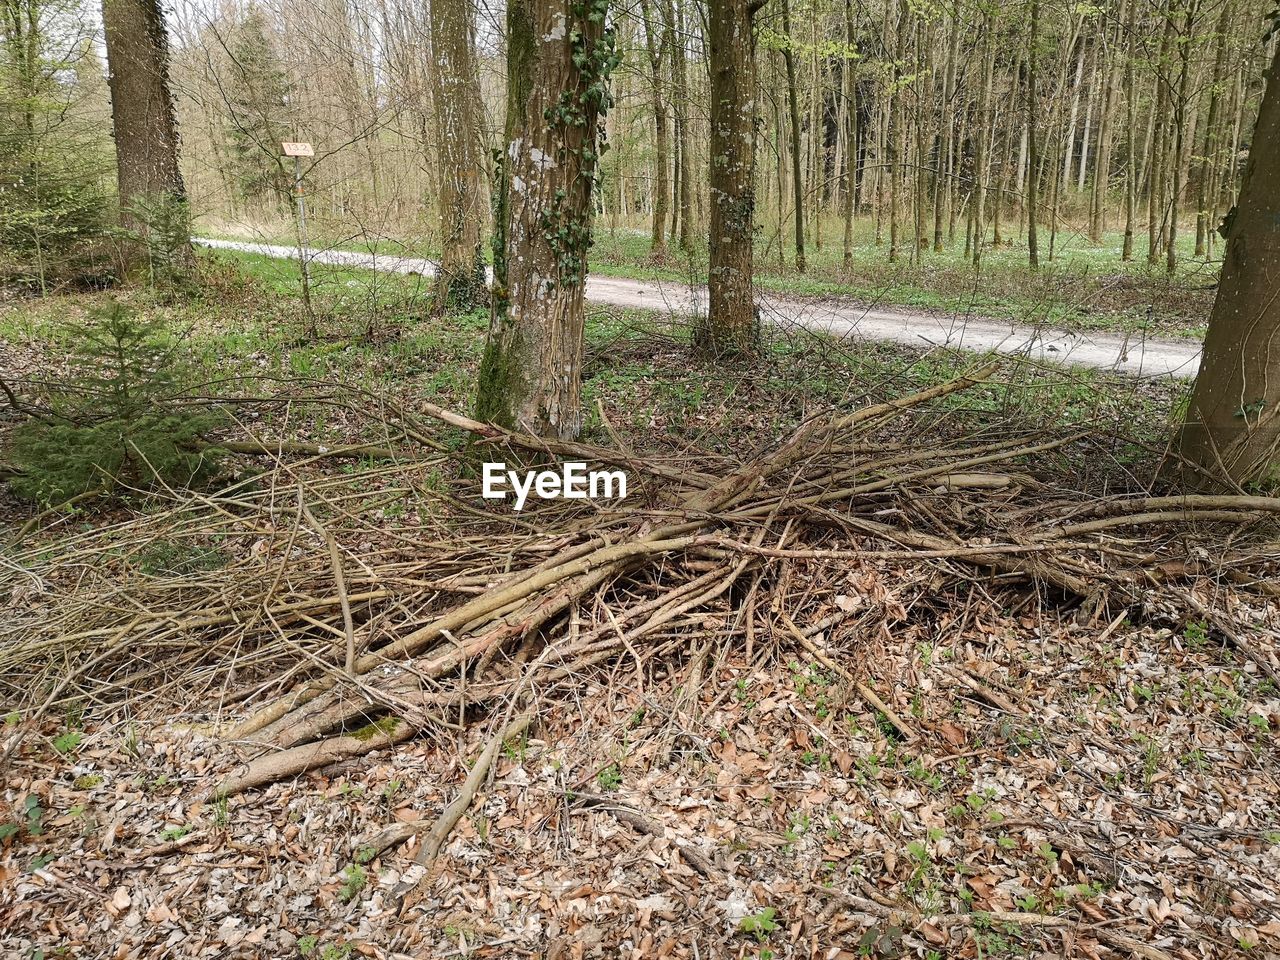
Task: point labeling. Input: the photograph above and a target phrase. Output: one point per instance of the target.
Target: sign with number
(297, 149)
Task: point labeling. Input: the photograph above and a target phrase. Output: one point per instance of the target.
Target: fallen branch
(440, 830)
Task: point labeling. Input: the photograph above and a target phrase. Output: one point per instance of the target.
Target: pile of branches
(334, 638)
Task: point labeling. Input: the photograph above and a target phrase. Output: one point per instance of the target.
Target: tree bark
(1208, 155)
(944, 188)
(680, 106)
(658, 54)
(1233, 423)
(850, 78)
(896, 135)
(731, 326)
(462, 202)
(559, 56)
(1131, 106)
(980, 154)
(793, 109)
(1180, 135)
(1033, 147)
(144, 125)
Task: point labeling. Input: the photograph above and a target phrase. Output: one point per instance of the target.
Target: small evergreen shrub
(113, 421)
(164, 229)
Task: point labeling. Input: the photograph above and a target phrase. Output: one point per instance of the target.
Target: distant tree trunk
(981, 152)
(896, 135)
(559, 55)
(1069, 144)
(731, 326)
(680, 106)
(1102, 169)
(1033, 143)
(944, 187)
(850, 78)
(1156, 177)
(1233, 423)
(1180, 136)
(463, 198)
(793, 110)
(658, 54)
(1208, 155)
(1131, 105)
(145, 128)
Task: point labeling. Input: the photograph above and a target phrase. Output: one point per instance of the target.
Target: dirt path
(1132, 354)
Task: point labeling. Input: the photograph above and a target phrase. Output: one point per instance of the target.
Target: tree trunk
(1233, 423)
(463, 198)
(151, 192)
(980, 154)
(850, 78)
(1156, 166)
(793, 110)
(1033, 147)
(1131, 105)
(559, 56)
(731, 326)
(1102, 169)
(1204, 175)
(944, 186)
(894, 169)
(1179, 137)
(658, 54)
(680, 106)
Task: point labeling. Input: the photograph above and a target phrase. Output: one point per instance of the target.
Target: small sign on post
(298, 150)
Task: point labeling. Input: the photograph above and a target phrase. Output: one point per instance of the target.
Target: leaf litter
(1045, 774)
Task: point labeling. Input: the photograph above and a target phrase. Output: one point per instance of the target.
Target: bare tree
(559, 57)
(731, 326)
(1232, 427)
(463, 198)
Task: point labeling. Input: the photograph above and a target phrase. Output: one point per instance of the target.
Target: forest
(760, 479)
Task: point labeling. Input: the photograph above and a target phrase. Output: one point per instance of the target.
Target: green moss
(385, 726)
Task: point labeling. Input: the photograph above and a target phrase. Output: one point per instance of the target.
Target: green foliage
(164, 229)
(355, 879)
(113, 423)
(759, 924)
(29, 816)
(54, 154)
(258, 97)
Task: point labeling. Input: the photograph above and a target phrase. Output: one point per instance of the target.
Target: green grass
(243, 335)
(1084, 287)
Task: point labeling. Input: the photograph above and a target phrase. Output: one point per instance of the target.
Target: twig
(863, 690)
(440, 830)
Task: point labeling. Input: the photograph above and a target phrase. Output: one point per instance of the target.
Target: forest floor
(1082, 778)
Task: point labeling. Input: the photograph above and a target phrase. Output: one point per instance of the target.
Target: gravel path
(1126, 353)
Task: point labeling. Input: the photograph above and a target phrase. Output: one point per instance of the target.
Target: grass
(1086, 286)
(243, 334)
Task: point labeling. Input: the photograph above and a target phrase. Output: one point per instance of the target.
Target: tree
(559, 57)
(730, 326)
(1033, 143)
(152, 196)
(793, 111)
(258, 94)
(1232, 427)
(462, 200)
(657, 48)
(53, 158)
